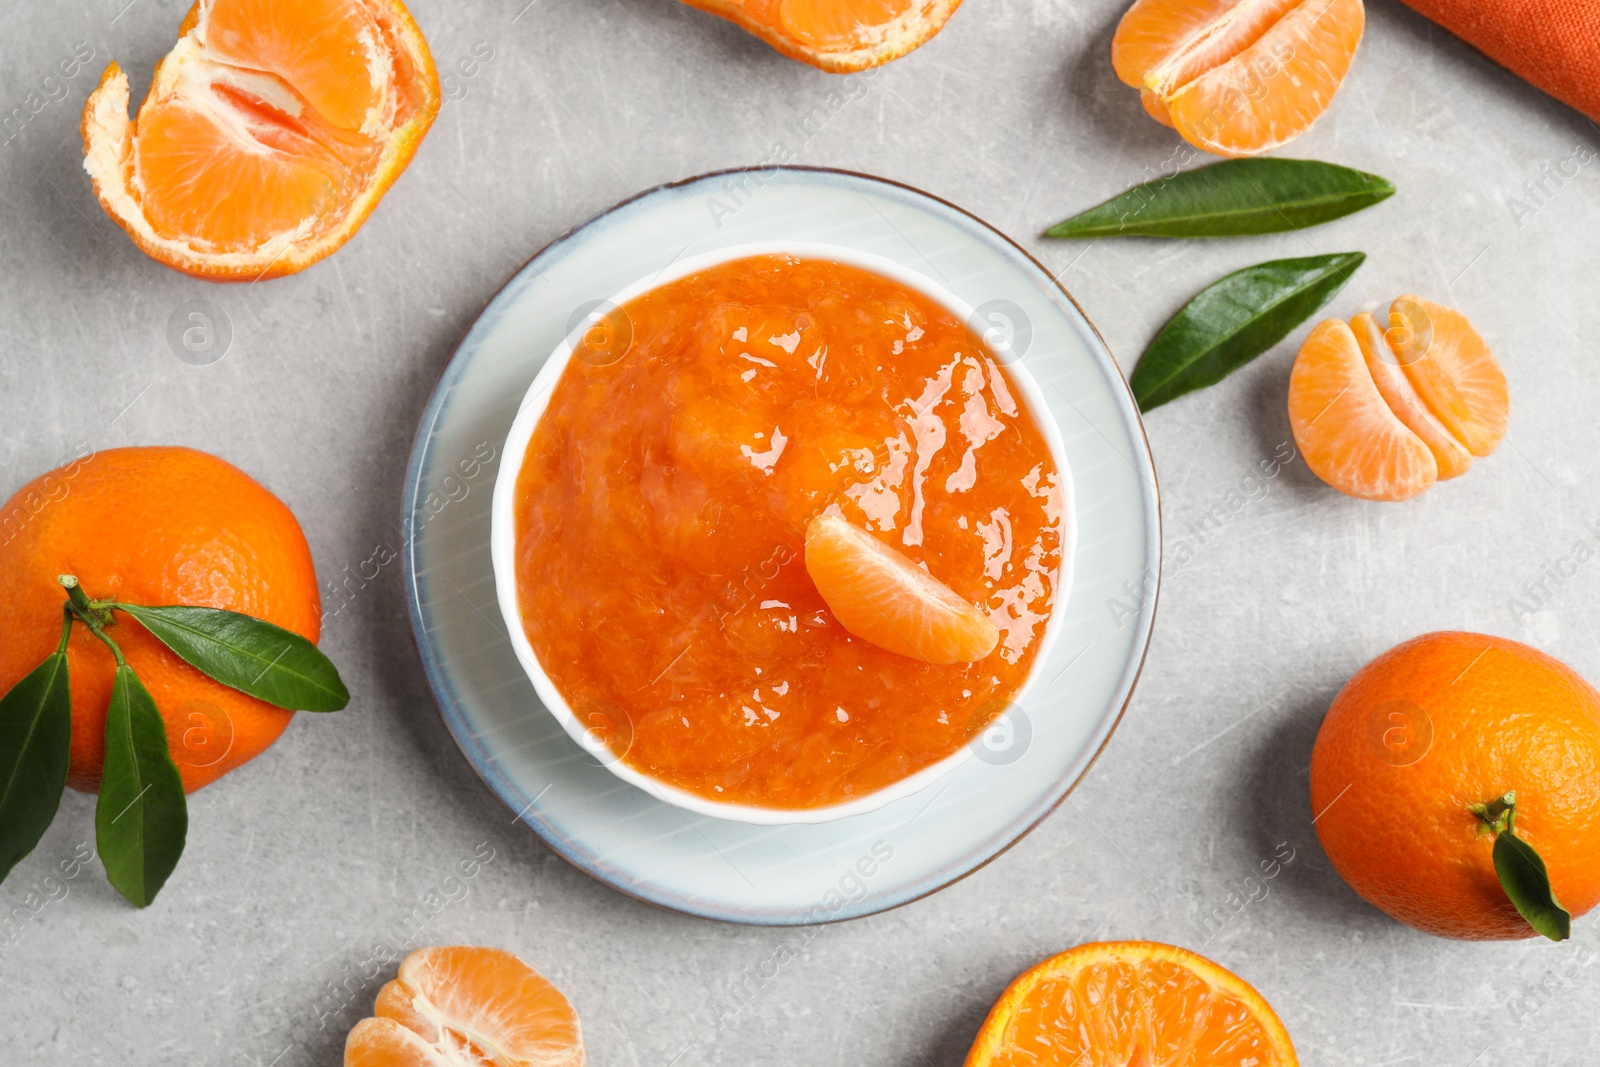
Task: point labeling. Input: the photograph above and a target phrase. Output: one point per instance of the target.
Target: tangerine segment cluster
(1237, 77)
(1383, 414)
(841, 36)
(269, 133)
(662, 509)
(1117, 1004)
(463, 1006)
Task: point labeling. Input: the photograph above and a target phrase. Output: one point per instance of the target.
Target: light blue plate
(795, 874)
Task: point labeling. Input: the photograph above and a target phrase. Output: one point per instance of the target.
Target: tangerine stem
(76, 596)
(1498, 815)
(79, 604)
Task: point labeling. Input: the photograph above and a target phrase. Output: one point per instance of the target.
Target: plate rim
(1131, 672)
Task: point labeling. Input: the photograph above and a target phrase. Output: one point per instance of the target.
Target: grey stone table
(299, 862)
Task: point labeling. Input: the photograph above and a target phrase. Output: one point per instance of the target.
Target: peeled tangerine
(270, 132)
(467, 1007)
(1237, 77)
(880, 596)
(840, 36)
(1383, 414)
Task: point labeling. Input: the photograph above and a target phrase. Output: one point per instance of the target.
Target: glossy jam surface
(661, 513)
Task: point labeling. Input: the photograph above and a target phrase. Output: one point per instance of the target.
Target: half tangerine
(1131, 1004)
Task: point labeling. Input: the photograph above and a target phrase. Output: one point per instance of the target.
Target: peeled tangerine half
(467, 1007)
(1237, 77)
(1131, 1004)
(837, 35)
(1382, 414)
(880, 596)
(270, 132)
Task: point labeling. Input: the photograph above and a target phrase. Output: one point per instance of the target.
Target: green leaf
(141, 819)
(1231, 199)
(1527, 884)
(254, 657)
(35, 743)
(1234, 321)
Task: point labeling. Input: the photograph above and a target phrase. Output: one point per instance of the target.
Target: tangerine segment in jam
(661, 513)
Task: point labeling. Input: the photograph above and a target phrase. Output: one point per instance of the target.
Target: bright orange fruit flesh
(665, 497)
(152, 526)
(1131, 1004)
(881, 596)
(1237, 77)
(1453, 370)
(840, 36)
(467, 1007)
(385, 1043)
(1383, 414)
(1450, 456)
(1428, 729)
(1349, 437)
(270, 132)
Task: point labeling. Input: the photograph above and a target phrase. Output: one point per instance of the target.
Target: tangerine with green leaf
(152, 526)
(1456, 786)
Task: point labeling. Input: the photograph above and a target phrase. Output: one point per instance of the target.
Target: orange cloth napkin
(1553, 44)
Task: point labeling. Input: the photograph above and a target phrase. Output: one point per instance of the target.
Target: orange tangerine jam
(661, 513)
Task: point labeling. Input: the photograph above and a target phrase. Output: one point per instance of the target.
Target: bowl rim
(503, 533)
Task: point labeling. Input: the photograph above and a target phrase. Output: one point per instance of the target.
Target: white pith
(454, 1056)
(1157, 79)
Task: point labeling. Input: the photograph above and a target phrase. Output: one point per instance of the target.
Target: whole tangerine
(1432, 728)
(152, 526)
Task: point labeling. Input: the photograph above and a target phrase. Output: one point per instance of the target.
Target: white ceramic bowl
(503, 535)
